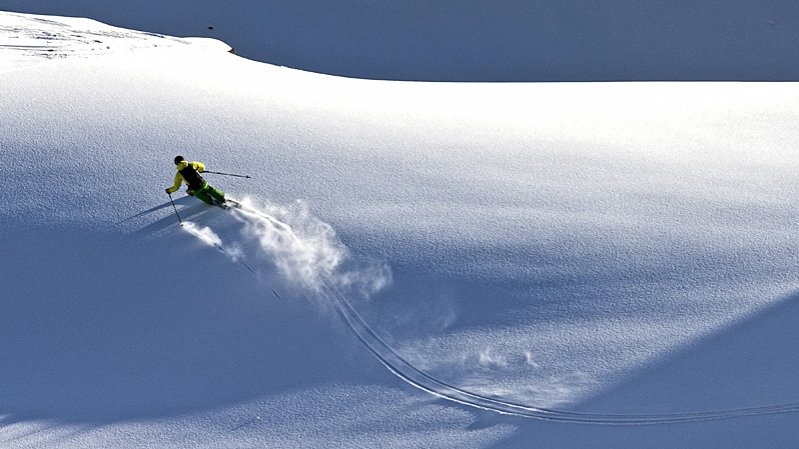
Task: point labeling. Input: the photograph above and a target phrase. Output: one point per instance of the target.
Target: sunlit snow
(414, 264)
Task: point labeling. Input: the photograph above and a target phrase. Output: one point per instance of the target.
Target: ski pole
(228, 174)
(175, 207)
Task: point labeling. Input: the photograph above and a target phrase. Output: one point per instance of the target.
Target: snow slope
(477, 40)
(621, 252)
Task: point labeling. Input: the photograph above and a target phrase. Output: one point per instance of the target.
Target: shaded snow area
(479, 40)
(413, 265)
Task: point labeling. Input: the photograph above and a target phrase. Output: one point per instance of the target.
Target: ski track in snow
(43, 40)
(325, 286)
(419, 379)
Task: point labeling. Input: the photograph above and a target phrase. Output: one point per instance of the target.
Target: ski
(235, 204)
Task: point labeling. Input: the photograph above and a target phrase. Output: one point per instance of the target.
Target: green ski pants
(209, 194)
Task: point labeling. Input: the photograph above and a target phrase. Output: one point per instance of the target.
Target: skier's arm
(176, 185)
(199, 166)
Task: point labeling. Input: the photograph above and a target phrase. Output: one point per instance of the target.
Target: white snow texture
(414, 264)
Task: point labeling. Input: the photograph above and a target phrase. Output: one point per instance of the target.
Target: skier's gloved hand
(167, 191)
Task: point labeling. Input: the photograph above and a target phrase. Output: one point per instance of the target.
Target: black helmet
(179, 159)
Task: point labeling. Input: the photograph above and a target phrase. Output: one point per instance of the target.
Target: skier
(189, 172)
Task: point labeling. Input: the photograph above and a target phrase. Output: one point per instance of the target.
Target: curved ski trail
(419, 379)
(406, 371)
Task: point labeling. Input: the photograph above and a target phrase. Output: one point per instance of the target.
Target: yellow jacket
(179, 178)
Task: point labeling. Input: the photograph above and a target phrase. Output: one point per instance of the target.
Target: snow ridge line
(426, 382)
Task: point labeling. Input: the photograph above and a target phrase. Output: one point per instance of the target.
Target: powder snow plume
(209, 237)
(306, 250)
(303, 249)
(205, 234)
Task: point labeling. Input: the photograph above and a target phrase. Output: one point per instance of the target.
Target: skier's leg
(202, 194)
(217, 194)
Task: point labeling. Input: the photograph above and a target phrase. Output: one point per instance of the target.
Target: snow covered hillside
(420, 265)
(478, 40)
